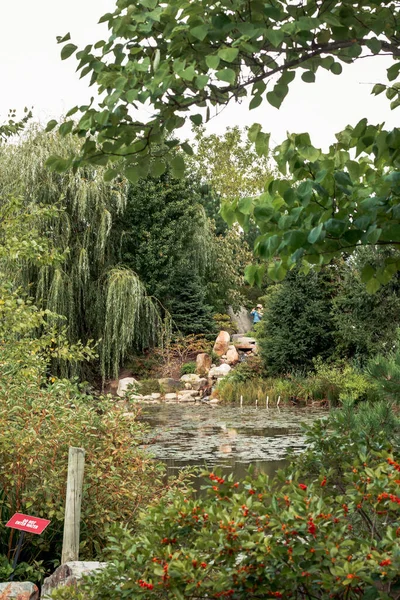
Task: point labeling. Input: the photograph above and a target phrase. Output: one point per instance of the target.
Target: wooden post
(72, 519)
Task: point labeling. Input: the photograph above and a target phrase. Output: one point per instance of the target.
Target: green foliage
(321, 204)
(162, 229)
(330, 384)
(119, 477)
(188, 308)
(365, 324)
(149, 386)
(229, 255)
(78, 279)
(385, 373)
(41, 416)
(331, 533)
(227, 54)
(225, 323)
(189, 367)
(297, 323)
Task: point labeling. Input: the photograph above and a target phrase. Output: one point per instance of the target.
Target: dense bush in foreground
(334, 534)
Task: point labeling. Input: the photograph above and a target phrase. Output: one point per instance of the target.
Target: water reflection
(229, 437)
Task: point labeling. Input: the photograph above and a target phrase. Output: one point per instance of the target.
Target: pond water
(227, 436)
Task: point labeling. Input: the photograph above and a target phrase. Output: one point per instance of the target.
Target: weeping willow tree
(99, 300)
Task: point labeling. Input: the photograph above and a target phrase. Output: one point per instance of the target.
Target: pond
(227, 436)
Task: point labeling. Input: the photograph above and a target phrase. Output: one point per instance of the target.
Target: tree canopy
(171, 58)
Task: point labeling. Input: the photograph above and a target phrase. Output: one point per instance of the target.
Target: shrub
(332, 535)
(225, 323)
(38, 425)
(189, 367)
(149, 386)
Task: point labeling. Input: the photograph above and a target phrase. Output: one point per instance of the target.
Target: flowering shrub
(336, 535)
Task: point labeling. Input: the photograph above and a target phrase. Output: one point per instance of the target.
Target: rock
(21, 590)
(171, 396)
(69, 574)
(232, 356)
(213, 401)
(190, 378)
(123, 385)
(200, 384)
(203, 363)
(220, 371)
(156, 396)
(245, 343)
(190, 393)
(241, 319)
(169, 385)
(222, 343)
(187, 399)
(188, 386)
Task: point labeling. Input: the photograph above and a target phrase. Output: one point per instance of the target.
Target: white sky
(32, 74)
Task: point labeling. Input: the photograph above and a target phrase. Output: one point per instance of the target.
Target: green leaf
(336, 227)
(393, 71)
(133, 174)
(196, 119)
(336, 68)
(262, 143)
(277, 96)
(227, 75)
(253, 132)
(61, 39)
(228, 213)
(310, 153)
(187, 148)
(178, 167)
(372, 286)
(157, 168)
(275, 36)
(367, 273)
(374, 45)
(316, 234)
(201, 81)
(212, 61)
(250, 273)
(200, 32)
(277, 272)
(255, 101)
(66, 128)
(50, 125)
(228, 54)
(110, 174)
(308, 77)
(68, 50)
(245, 205)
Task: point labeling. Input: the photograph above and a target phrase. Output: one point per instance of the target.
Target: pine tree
(189, 311)
(297, 324)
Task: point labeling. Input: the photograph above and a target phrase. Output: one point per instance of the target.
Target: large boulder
(169, 385)
(203, 363)
(221, 371)
(123, 385)
(69, 574)
(222, 343)
(232, 356)
(19, 590)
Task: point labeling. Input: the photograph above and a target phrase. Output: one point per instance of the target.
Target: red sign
(27, 523)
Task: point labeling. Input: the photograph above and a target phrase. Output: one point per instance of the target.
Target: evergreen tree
(297, 324)
(189, 311)
(162, 230)
(365, 324)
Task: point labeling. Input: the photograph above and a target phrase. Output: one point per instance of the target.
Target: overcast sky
(32, 74)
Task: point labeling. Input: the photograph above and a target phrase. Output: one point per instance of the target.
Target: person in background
(257, 314)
